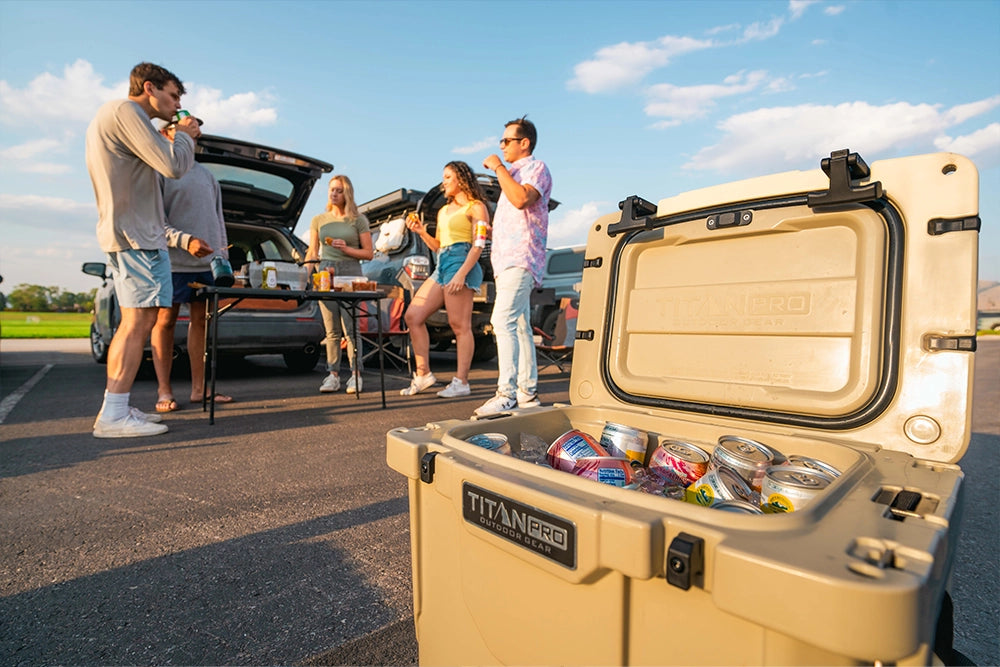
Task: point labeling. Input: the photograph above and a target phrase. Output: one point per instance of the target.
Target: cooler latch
(594, 263)
(585, 334)
(957, 343)
(939, 226)
(846, 170)
(427, 467)
(686, 561)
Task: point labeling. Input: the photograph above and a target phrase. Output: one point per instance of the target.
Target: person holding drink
(462, 228)
(339, 238)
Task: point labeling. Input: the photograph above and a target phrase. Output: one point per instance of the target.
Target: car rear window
(259, 183)
(566, 262)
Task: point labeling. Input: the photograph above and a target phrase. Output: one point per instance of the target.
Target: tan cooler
(828, 314)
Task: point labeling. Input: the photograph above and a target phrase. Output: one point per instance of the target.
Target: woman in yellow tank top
(457, 276)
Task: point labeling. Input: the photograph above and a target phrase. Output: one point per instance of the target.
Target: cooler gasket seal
(890, 344)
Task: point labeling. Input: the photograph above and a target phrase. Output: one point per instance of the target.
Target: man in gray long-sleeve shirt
(124, 155)
(193, 206)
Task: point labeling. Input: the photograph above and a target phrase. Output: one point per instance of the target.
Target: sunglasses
(507, 140)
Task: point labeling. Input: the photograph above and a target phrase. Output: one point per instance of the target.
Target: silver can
(679, 462)
(737, 507)
(813, 464)
(748, 458)
(790, 488)
(624, 441)
(718, 486)
(495, 442)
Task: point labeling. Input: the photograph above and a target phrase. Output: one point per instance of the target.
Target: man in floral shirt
(520, 232)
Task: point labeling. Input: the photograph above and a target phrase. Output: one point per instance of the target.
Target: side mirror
(95, 269)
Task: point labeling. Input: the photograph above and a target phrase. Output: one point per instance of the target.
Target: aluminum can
(324, 281)
(616, 471)
(737, 507)
(495, 442)
(748, 458)
(813, 464)
(181, 114)
(719, 485)
(621, 440)
(571, 446)
(482, 232)
(222, 272)
(679, 462)
(790, 488)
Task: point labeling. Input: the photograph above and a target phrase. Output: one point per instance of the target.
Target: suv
(563, 274)
(407, 261)
(264, 191)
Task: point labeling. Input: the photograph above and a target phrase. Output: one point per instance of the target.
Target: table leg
(381, 350)
(213, 324)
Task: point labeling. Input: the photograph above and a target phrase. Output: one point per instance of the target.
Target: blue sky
(647, 98)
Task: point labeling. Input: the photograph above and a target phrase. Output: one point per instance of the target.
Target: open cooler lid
(840, 300)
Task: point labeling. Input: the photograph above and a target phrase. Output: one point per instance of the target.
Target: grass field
(44, 325)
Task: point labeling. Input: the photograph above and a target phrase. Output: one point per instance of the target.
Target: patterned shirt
(520, 235)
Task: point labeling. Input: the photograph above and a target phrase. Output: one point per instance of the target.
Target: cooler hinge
(586, 334)
(959, 343)
(686, 561)
(427, 467)
(939, 226)
(846, 170)
(594, 263)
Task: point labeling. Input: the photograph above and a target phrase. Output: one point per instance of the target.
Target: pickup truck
(407, 261)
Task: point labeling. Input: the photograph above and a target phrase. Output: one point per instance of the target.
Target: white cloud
(627, 63)
(22, 157)
(963, 112)
(983, 145)
(574, 225)
(478, 147)
(39, 202)
(722, 28)
(681, 103)
(834, 10)
(235, 113)
(797, 7)
(76, 95)
(794, 136)
(759, 31)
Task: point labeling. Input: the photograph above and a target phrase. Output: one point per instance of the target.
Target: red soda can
(571, 446)
(616, 471)
(679, 462)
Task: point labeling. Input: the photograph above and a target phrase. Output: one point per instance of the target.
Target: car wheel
(302, 360)
(98, 347)
(549, 323)
(486, 348)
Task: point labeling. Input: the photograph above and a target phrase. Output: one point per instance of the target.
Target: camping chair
(395, 336)
(557, 349)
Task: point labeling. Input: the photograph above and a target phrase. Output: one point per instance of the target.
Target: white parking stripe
(8, 403)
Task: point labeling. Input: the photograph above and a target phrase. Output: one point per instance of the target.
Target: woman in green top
(339, 239)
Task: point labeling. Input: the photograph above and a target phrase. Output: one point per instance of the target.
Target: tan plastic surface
(839, 582)
(786, 314)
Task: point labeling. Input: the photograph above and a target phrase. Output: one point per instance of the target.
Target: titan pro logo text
(547, 535)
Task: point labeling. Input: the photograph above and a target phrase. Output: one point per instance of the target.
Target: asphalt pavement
(278, 535)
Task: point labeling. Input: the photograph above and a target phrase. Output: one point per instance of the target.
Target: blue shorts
(142, 278)
(183, 292)
(449, 261)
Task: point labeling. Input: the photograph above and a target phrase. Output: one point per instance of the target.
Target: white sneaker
(495, 405)
(455, 389)
(150, 417)
(135, 412)
(418, 384)
(330, 384)
(352, 388)
(128, 426)
(527, 400)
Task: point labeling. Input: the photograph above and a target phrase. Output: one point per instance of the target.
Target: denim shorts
(183, 292)
(142, 278)
(449, 261)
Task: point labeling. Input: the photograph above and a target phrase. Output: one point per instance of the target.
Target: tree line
(35, 298)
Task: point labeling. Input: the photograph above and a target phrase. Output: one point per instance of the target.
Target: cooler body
(826, 314)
